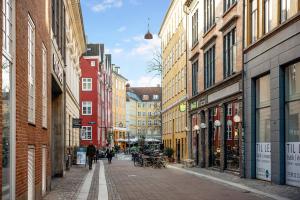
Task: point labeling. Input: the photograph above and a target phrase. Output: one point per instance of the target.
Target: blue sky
(121, 25)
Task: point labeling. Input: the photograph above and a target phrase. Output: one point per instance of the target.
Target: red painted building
(95, 95)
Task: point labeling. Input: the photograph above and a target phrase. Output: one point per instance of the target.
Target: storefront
(216, 126)
(272, 107)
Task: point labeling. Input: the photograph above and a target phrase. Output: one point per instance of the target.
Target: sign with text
(263, 161)
(292, 152)
(76, 123)
(81, 156)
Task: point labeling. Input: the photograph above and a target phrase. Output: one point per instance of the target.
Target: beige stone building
(75, 47)
(119, 107)
(174, 60)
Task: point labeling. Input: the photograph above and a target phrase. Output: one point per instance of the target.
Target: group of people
(93, 154)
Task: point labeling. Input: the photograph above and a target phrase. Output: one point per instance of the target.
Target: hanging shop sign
(292, 151)
(263, 161)
(182, 107)
(76, 123)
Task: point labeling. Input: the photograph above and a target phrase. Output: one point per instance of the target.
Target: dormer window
(155, 97)
(145, 97)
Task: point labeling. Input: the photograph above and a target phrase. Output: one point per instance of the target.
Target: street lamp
(148, 35)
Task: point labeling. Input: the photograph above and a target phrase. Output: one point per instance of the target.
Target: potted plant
(169, 153)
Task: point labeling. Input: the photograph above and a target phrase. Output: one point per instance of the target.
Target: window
(229, 110)
(209, 67)
(87, 84)
(292, 119)
(209, 14)
(145, 97)
(144, 123)
(86, 108)
(144, 114)
(263, 132)
(195, 78)
(31, 71)
(229, 53)
(86, 132)
(229, 132)
(93, 63)
(149, 114)
(195, 28)
(7, 25)
(253, 7)
(228, 4)
(139, 114)
(268, 15)
(155, 97)
(139, 105)
(139, 122)
(44, 88)
(149, 122)
(155, 122)
(288, 9)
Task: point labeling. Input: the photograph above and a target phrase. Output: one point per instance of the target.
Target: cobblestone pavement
(68, 186)
(127, 182)
(264, 186)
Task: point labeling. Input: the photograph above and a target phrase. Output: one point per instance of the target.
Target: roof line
(165, 18)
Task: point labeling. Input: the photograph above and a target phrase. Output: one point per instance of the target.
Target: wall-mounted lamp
(196, 128)
(237, 119)
(203, 126)
(217, 123)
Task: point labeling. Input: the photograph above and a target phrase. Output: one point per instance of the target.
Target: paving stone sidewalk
(264, 186)
(68, 187)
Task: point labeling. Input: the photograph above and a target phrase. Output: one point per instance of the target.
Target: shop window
(229, 110)
(229, 132)
(263, 133)
(292, 123)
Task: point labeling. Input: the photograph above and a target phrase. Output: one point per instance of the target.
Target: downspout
(188, 136)
(243, 175)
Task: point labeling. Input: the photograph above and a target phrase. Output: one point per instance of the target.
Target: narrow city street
(124, 181)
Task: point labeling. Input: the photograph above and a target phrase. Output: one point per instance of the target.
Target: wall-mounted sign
(182, 107)
(263, 160)
(292, 153)
(76, 123)
(194, 105)
(91, 122)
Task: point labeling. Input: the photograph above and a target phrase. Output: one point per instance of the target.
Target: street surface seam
(85, 188)
(231, 183)
(103, 194)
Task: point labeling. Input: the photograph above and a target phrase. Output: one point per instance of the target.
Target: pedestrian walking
(109, 155)
(96, 156)
(90, 153)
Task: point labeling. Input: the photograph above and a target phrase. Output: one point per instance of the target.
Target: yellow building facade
(119, 108)
(174, 90)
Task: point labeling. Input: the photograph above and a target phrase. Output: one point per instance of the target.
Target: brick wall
(27, 134)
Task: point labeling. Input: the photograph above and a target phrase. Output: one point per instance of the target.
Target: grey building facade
(272, 95)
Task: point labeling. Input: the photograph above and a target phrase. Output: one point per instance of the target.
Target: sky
(121, 26)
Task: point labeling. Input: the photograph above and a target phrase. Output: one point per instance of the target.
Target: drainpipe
(243, 175)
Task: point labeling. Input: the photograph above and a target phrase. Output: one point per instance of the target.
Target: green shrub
(169, 152)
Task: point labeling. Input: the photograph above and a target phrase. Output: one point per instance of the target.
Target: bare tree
(155, 65)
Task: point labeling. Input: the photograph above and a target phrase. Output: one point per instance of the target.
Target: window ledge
(209, 30)
(32, 124)
(229, 9)
(194, 46)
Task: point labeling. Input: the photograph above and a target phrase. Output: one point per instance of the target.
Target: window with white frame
(149, 122)
(31, 70)
(229, 132)
(155, 97)
(93, 63)
(44, 87)
(86, 108)
(87, 84)
(86, 132)
(229, 109)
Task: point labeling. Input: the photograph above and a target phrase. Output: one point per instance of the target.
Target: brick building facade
(215, 32)
(25, 128)
(95, 110)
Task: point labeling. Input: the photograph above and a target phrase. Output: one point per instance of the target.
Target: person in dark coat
(90, 153)
(109, 155)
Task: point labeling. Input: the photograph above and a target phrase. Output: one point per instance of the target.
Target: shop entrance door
(178, 151)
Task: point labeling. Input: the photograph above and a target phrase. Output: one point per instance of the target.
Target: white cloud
(135, 2)
(107, 4)
(122, 29)
(127, 40)
(146, 81)
(118, 50)
(146, 47)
